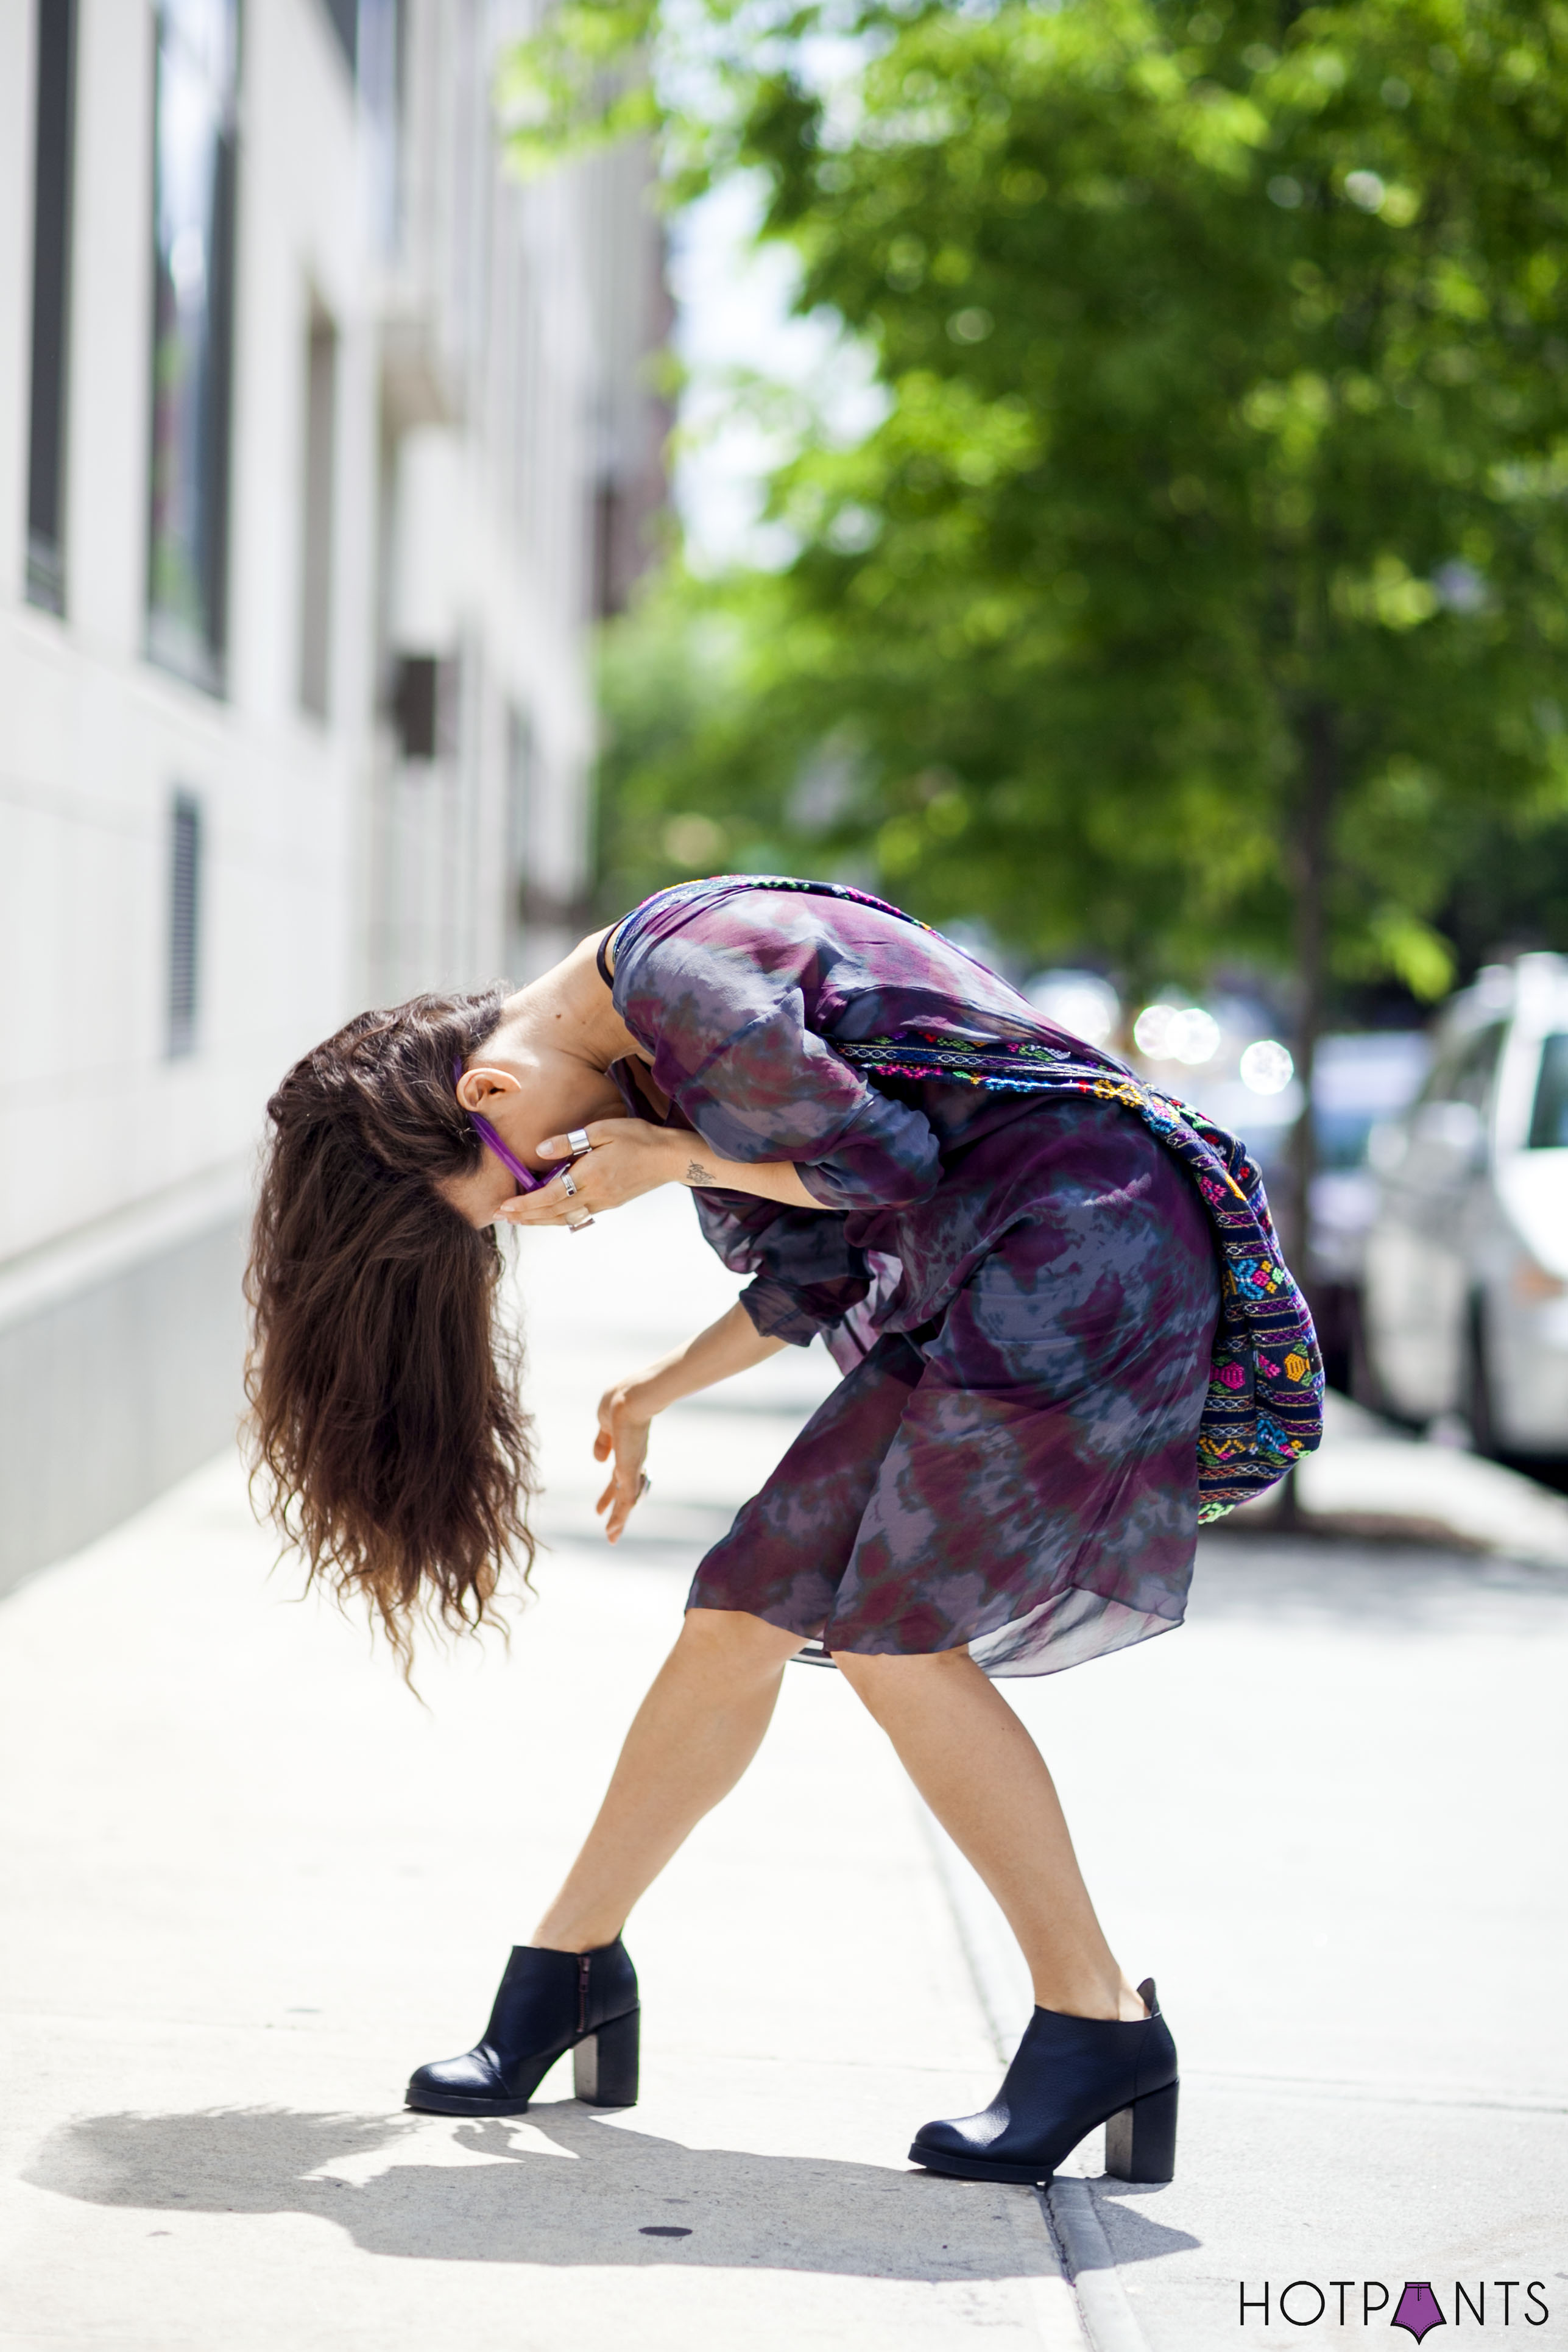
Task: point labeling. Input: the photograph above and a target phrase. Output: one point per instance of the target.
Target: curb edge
(1068, 2208)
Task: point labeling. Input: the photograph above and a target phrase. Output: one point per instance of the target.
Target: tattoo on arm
(697, 1174)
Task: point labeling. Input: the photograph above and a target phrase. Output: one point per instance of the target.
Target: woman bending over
(1020, 1284)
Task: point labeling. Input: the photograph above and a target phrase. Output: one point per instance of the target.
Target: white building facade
(322, 442)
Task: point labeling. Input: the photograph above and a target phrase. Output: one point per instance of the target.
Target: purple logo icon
(1418, 2309)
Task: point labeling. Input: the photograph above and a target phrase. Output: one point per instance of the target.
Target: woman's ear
(478, 1088)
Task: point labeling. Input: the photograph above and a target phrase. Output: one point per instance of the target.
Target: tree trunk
(1309, 859)
(1310, 863)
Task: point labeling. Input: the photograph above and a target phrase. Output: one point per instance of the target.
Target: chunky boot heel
(1140, 2141)
(604, 2066)
(1070, 2073)
(548, 2003)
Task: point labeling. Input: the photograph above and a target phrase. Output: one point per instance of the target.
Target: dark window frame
(344, 17)
(48, 420)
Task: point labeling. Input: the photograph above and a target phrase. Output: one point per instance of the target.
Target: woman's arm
(731, 1345)
(630, 1157)
(770, 1180)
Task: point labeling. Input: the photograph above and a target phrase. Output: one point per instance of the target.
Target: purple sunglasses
(527, 1180)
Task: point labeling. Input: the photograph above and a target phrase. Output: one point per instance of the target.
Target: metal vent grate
(184, 923)
(52, 172)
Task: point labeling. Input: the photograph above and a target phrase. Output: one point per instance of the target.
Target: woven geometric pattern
(1265, 1404)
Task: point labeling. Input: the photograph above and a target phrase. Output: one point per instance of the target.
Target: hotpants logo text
(1345, 2303)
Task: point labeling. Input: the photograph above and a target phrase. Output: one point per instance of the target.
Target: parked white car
(1466, 1304)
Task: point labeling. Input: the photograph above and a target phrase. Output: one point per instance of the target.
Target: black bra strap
(601, 957)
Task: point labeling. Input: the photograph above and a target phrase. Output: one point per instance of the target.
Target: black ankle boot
(1070, 2074)
(549, 2003)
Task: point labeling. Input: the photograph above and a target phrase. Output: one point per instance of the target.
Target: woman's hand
(627, 1157)
(625, 1415)
(731, 1345)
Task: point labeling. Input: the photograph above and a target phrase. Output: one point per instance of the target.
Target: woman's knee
(733, 1637)
(889, 1683)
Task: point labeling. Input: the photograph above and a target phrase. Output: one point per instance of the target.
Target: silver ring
(577, 1136)
(567, 1185)
(644, 1483)
(578, 1224)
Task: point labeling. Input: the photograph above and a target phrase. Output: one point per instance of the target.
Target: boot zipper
(583, 1966)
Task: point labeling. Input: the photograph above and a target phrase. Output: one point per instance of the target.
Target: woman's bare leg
(690, 1740)
(959, 1740)
(986, 1782)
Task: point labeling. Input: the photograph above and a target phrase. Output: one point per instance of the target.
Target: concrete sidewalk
(252, 1882)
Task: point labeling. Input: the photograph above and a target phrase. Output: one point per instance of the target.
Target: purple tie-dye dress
(1021, 1292)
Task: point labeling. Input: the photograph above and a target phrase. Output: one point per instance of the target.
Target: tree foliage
(1202, 590)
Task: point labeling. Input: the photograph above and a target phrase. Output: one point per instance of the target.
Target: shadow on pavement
(560, 2186)
(1140, 2238)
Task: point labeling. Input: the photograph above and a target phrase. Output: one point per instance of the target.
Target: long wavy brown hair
(389, 1446)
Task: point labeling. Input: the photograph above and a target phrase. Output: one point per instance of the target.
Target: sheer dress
(1020, 1292)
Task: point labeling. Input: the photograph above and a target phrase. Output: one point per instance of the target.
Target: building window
(316, 536)
(378, 55)
(184, 923)
(344, 15)
(425, 704)
(608, 600)
(53, 141)
(193, 200)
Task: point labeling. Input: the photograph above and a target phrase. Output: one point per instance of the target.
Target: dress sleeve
(807, 1275)
(732, 1044)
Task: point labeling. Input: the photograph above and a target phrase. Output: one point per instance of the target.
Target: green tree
(690, 780)
(1204, 587)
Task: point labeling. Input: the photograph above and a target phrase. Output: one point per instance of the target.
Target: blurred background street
(1094, 476)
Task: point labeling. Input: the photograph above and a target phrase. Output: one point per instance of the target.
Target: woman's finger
(525, 1208)
(617, 1167)
(618, 1504)
(628, 1443)
(625, 1506)
(550, 1205)
(557, 1146)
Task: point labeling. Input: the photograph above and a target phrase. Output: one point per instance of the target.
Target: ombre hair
(388, 1444)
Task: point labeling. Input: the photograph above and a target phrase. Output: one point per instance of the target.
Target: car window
(1341, 1137)
(1549, 1119)
(1463, 1069)
(1360, 1077)
(1444, 1071)
(1473, 1076)
(1439, 1086)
